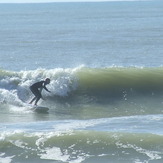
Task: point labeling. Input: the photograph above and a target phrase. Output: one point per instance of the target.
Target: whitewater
(104, 60)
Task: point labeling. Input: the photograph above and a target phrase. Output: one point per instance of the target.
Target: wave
(95, 140)
(118, 79)
(65, 81)
(118, 90)
(81, 146)
(14, 84)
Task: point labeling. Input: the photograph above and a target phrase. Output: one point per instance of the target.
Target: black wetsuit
(36, 89)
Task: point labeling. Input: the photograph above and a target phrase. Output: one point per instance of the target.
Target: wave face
(82, 141)
(114, 81)
(86, 91)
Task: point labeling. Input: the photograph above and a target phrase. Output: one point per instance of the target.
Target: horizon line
(62, 1)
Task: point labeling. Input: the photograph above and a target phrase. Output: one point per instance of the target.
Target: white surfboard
(37, 108)
(40, 108)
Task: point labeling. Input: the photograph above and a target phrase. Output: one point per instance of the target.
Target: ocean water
(104, 60)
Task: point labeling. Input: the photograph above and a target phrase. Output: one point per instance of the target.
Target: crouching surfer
(36, 89)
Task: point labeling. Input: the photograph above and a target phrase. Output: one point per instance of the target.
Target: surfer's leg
(37, 94)
(32, 100)
(38, 97)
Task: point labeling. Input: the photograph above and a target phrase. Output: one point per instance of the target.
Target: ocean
(105, 62)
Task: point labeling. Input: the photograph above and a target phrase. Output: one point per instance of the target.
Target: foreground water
(109, 114)
(105, 65)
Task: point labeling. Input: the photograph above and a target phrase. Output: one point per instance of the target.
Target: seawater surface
(105, 65)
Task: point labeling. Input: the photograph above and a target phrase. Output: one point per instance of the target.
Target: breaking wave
(121, 91)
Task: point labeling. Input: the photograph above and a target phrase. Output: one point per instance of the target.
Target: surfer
(36, 89)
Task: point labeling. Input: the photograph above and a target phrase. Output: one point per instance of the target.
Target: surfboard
(37, 108)
(40, 109)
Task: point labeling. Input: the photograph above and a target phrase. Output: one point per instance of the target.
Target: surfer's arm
(46, 89)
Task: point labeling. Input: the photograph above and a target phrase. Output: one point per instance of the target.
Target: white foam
(78, 160)
(4, 159)
(153, 155)
(54, 154)
(63, 81)
(10, 97)
(72, 125)
(14, 87)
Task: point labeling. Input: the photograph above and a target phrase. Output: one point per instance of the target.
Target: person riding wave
(36, 89)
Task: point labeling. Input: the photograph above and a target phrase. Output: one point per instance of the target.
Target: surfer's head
(47, 80)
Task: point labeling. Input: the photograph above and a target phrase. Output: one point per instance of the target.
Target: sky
(41, 1)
